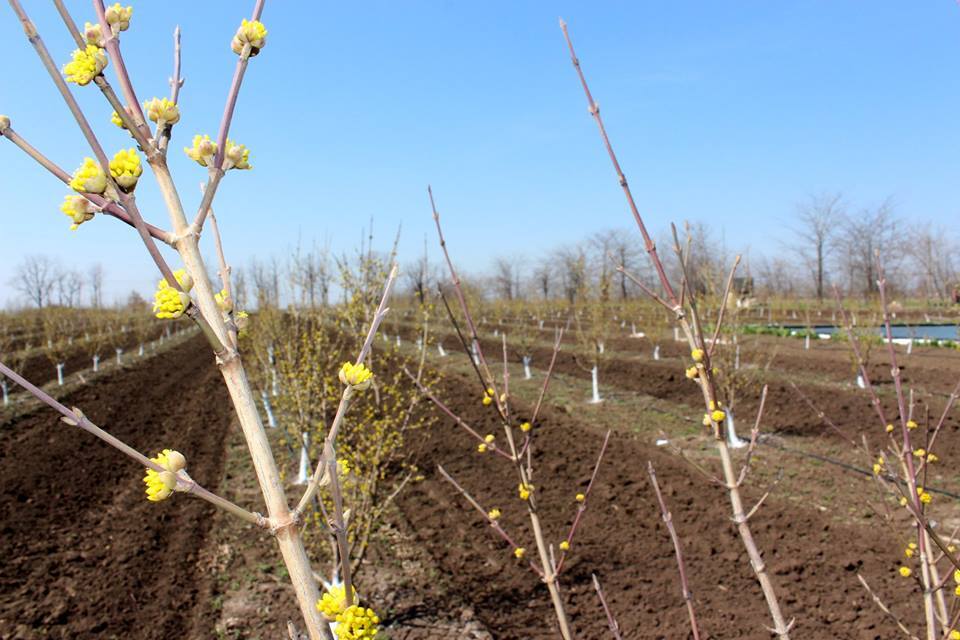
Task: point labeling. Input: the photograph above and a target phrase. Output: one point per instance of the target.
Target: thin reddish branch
(611, 621)
(582, 506)
(681, 566)
(494, 524)
(594, 109)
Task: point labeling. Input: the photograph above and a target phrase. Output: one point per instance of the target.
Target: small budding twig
(582, 505)
(611, 621)
(75, 418)
(681, 567)
(494, 524)
(883, 607)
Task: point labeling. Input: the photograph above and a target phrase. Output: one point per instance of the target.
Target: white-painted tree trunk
(594, 378)
(6, 392)
(600, 346)
(541, 324)
(271, 420)
(860, 382)
(443, 354)
(140, 350)
(60, 374)
(910, 347)
(303, 475)
(385, 337)
(96, 363)
(736, 359)
(733, 441)
(496, 333)
(676, 334)
(119, 356)
(275, 385)
(656, 352)
(526, 368)
(399, 341)
(806, 342)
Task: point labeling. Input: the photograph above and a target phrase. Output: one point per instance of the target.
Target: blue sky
(728, 112)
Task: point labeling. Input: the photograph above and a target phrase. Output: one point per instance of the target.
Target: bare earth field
(84, 555)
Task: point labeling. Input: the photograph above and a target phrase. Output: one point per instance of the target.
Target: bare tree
(96, 285)
(932, 251)
(542, 275)
(69, 289)
(819, 219)
(864, 234)
(310, 276)
(505, 278)
(35, 278)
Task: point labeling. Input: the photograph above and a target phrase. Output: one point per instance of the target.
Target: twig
(611, 621)
(681, 567)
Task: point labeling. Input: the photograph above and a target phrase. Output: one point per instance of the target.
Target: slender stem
(75, 417)
(108, 207)
(582, 506)
(112, 45)
(595, 112)
(216, 172)
(611, 621)
(681, 567)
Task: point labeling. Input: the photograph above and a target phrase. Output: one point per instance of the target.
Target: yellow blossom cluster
(169, 303)
(125, 169)
(89, 178)
(118, 17)
(87, 64)
(353, 622)
(251, 32)
(525, 489)
(160, 484)
(488, 395)
(202, 151)
(78, 209)
(162, 111)
(356, 376)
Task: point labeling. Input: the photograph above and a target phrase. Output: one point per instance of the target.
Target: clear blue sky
(727, 111)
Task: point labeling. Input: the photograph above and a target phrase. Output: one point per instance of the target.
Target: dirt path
(83, 554)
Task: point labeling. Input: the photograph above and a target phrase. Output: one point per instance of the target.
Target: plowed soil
(82, 553)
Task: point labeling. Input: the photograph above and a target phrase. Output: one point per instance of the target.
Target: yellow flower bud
(697, 355)
(78, 209)
(581, 497)
(911, 424)
(236, 156)
(905, 572)
(4, 123)
(125, 169)
(889, 428)
(488, 438)
(564, 546)
(519, 552)
(89, 178)
(86, 65)
(93, 34)
(118, 17)
(356, 376)
(718, 415)
(482, 448)
(203, 150)
(252, 33)
(162, 111)
(525, 427)
(692, 373)
(494, 514)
